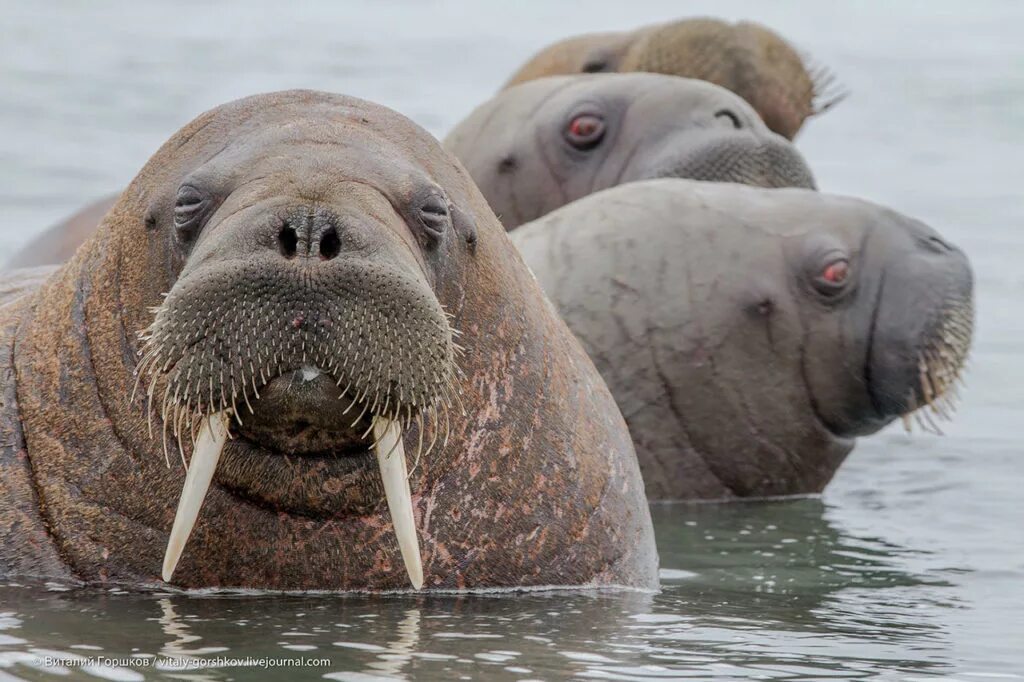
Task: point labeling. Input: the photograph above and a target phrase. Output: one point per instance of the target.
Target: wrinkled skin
(268, 221)
(524, 152)
(751, 335)
(746, 58)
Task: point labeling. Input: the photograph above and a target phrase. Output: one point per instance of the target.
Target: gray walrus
(753, 61)
(540, 145)
(750, 335)
(322, 290)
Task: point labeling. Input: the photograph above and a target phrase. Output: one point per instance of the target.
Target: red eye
(836, 272)
(585, 131)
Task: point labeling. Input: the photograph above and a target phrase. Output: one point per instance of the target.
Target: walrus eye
(189, 208)
(833, 276)
(585, 131)
(434, 217)
(733, 118)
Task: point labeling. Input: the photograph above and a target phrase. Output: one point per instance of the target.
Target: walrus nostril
(730, 116)
(938, 243)
(330, 245)
(288, 241)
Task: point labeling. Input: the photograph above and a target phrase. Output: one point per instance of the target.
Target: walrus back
(19, 283)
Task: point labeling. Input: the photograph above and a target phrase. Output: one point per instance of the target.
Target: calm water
(910, 567)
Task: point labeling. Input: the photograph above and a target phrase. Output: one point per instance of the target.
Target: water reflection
(772, 590)
(783, 571)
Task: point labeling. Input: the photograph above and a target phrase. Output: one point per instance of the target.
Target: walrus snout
(304, 304)
(759, 160)
(922, 331)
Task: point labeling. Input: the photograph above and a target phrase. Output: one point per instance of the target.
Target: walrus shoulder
(26, 547)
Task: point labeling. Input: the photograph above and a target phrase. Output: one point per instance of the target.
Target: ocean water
(909, 567)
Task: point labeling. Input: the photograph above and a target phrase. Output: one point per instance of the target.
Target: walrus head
(304, 312)
(783, 86)
(888, 309)
(750, 336)
(307, 316)
(300, 266)
(542, 144)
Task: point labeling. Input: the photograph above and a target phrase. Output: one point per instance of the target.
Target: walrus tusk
(391, 458)
(209, 444)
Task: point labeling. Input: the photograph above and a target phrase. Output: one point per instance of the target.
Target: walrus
(784, 87)
(58, 243)
(297, 290)
(525, 150)
(542, 144)
(750, 335)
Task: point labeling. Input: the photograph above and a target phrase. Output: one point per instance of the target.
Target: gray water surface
(909, 567)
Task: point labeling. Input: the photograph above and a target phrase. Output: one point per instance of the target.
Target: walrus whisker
(366, 406)
(920, 422)
(826, 89)
(135, 385)
(940, 411)
(419, 444)
(368, 430)
(447, 425)
(177, 435)
(931, 422)
(167, 456)
(373, 405)
(432, 413)
(234, 397)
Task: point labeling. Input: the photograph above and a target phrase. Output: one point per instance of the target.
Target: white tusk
(209, 444)
(391, 458)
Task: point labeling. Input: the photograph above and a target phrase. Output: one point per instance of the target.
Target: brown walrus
(746, 57)
(751, 335)
(320, 256)
(542, 144)
(59, 242)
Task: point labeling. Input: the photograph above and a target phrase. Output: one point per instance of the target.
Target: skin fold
(749, 59)
(272, 246)
(749, 335)
(527, 151)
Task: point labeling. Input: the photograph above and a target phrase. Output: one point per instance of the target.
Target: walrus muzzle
(302, 359)
(735, 156)
(921, 334)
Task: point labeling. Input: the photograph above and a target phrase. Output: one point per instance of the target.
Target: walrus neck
(73, 359)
